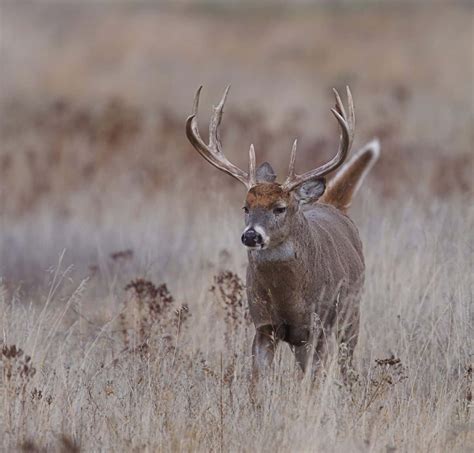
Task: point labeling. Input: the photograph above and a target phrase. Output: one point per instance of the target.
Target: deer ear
(310, 191)
(265, 173)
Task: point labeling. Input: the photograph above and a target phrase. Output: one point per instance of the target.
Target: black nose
(251, 238)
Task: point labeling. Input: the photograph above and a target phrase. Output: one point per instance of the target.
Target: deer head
(271, 208)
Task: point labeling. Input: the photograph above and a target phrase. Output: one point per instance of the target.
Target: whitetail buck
(306, 267)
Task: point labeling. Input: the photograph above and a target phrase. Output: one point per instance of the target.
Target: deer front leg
(263, 349)
(300, 340)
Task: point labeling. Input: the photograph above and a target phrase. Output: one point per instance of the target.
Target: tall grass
(123, 314)
(120, 364)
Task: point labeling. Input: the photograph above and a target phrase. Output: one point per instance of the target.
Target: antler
(213, 152)
(347, 126)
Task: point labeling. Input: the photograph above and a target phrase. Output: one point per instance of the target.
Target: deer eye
(279, 210)
(246, 210)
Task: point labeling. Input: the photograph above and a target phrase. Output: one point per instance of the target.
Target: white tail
(343, 187)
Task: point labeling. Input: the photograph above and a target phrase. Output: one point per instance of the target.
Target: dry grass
(122, 300)
(125, 366)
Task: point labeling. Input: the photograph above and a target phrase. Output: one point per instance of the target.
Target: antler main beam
(213, 151)
(347, 126)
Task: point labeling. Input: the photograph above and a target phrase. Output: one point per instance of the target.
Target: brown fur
(342, 188)
(265, 195)
(316, 272)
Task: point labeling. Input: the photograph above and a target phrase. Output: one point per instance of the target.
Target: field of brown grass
(122, 294)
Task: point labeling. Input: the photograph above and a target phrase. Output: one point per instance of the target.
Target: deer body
(314, 276)
(287, 284)
(306, 267)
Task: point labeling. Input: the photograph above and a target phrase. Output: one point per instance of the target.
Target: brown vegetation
(137, 336)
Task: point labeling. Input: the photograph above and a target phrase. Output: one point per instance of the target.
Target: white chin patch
(257, 247)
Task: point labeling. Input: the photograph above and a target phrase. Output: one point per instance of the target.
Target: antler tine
(352, 119)
(196, 101)
(347, 125)
(291, 168)
(214, 140)
(192, 129)
(252, 167)
(339, 105)
(212, 152)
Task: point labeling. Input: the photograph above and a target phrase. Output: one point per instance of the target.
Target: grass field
(122, 300)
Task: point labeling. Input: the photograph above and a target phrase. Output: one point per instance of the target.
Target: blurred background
(94, 96)
(123, 314)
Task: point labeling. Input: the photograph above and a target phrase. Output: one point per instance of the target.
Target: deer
(305, 270)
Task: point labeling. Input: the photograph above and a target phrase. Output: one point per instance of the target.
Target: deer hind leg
(263, 349)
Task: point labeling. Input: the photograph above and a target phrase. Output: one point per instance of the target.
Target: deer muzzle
(254, 238)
